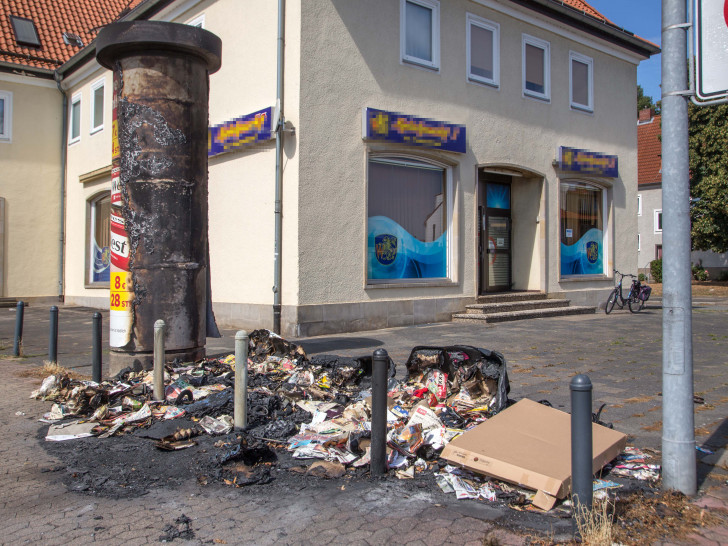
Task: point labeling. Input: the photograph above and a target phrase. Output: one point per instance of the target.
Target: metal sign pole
(678, 435)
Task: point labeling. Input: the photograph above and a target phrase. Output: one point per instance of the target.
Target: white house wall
(30, 186)
(351, 59)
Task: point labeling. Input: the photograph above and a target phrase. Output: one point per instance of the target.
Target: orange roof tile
(582, 6)
(649, 152)
(52, 18)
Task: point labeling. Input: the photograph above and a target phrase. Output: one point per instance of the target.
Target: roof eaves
(604, 29)
(143, 11)
(26, 70)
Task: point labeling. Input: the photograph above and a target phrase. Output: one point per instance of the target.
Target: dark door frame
(484, 250)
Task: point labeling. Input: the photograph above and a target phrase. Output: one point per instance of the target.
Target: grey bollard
(53, 335)
(581, 443)
(380, 367)
(158, 378)
(18, 340)
(240, 409)
(96, 350)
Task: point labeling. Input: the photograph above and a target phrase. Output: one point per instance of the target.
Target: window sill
(582, 109)
(484, 83)
(584, 278)
(540, 98)
(96, 130)
(411, 284)
(97, 286)
(421, 64)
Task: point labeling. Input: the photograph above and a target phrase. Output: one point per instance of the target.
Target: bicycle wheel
(635, 304)
(610, 302)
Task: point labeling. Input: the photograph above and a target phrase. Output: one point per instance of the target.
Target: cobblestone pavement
(621, 353)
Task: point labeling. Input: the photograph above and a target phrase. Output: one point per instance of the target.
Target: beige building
(36, 38)
(432, 152)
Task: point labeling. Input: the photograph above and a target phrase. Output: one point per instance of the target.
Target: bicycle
(633, 299)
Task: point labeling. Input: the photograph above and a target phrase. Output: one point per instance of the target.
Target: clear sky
(643, 18)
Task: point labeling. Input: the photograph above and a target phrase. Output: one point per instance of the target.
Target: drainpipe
(62, 190)
(277, 270)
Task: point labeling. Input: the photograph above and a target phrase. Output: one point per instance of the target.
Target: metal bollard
(159, 327)
(53, 335)
(380, 367)
(581, 443)
(96, 350)
(18, 343)
(240, 410)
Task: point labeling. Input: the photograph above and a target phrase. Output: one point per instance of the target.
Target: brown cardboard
(529, 444)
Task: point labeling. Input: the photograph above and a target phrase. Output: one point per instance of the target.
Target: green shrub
(656, 270)
(641, 277)
(699, 272)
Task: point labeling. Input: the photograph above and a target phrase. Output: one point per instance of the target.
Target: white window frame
(75, 99)
(433, 5)
(198, 21)
(639, 243)
(474, 20)
(658, 213)
(639, 204)
(96, 85)
(574, 56)
(449, 222)
(606, 224)
(6, 131)
(91, 217)
(546, 47)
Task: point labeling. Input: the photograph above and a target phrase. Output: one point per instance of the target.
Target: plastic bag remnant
(475, 377)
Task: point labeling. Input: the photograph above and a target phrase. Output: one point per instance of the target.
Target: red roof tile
(582, 6)
(52, 18)
(649, 152)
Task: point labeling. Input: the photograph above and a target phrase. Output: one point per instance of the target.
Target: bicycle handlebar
(625, 274)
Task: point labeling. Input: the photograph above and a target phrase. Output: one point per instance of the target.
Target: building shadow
(331, 344)
(716, 443)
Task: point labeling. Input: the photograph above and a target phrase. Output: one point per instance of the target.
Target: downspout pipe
(278, 210)
(62, 190)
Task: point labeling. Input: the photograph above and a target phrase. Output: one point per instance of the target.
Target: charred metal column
(159, 187)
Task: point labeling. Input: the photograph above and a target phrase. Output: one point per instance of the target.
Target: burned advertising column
(159, 252)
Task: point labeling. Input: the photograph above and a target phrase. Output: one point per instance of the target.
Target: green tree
(708, 127)
(643, 101)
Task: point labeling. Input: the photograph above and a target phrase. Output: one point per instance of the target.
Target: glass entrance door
(494, 233)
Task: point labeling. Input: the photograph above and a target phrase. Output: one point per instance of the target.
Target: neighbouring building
(36, 38)
(431, 152)
(649, 200)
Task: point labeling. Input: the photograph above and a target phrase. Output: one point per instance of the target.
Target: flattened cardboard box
(530, 444)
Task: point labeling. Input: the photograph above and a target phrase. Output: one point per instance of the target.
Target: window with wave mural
(582, 229)
(407, 220)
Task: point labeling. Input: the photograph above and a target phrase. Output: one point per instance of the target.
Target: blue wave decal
(584, 257)
(410, 259)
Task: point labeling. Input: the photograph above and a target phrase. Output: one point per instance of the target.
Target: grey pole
(159, 360)
(380, 366)
(18, 340)
(53, 335)
(96, 349)
(678, 434)
(581, 443)
(240, 409)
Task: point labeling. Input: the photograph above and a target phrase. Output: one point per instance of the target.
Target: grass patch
(51, 368)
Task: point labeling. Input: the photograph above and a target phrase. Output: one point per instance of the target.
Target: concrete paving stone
(382, 536)
(699, 540)
(415, 542)
(437, 536)
(359, 535)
